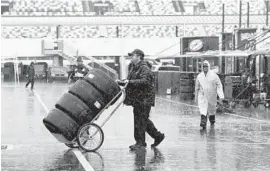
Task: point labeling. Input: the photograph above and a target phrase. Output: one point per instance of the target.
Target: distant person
(30, 73)
(208, 86)
(80, 70)
(140, 94)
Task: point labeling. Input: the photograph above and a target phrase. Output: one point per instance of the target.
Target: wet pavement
(238, 141)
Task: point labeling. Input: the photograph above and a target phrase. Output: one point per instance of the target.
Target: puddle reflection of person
(211, 148)
(140, 160)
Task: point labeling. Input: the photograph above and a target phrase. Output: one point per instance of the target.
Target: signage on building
(198, 44)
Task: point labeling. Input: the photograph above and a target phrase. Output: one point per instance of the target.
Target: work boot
(158, 140)
(203, 121)
(136, 144)
(212, 119)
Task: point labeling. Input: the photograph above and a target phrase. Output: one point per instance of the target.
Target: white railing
(70, 53)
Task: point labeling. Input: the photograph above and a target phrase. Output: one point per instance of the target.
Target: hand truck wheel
(90, 137)
(72, 145)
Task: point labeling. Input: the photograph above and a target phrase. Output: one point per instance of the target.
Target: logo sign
(199, 44)
(195, 45)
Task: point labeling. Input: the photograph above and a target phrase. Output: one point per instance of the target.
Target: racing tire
(72, 145)
(103, 83)
(186, 76)
(187, 82)
(84, 135)
(89, 95)
(247, 104)
(75, 108)
(186, 89)
(187, 96)
(255, 104)
(59, 122)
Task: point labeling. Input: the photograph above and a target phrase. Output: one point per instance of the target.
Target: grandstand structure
(129, 7)
(121, 25)
(191, 21)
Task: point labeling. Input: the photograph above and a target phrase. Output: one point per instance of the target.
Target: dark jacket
(31, 72)
(141, 87)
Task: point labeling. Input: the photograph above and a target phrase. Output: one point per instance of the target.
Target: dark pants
(30, 80)
(143, 124)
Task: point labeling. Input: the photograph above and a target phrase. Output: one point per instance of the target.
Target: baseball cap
(137, 52)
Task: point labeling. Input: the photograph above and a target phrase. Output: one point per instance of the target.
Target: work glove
(122, 82)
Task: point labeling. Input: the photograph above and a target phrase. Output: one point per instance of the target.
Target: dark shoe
(212, 119)
(158, 140)
(26, 86)
(203, 121)
(134, 145)
(137, 147)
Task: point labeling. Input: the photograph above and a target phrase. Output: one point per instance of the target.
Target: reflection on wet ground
(235, 143)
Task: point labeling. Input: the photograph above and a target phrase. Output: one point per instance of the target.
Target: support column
(57, 61)
(123, 65)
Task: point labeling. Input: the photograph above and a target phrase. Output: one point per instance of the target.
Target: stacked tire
(80, 105)
(187, 86)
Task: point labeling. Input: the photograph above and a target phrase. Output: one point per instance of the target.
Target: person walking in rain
(208, 86)
(140, 94)
(31, 75)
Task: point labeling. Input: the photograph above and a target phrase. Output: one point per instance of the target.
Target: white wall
(118, 47)
(20, 47)
(93, 47)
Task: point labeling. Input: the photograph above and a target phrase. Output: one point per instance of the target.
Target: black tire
(89, 95)
(58, 122)
(75, 108)
(186, 96)
(186, 89)
(247, 104)
(255, 104)
(187, 82)
(72, 145)
(81, 142)
(186, 75)
(103, 83)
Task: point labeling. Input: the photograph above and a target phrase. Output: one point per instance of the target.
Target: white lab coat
(206, 90)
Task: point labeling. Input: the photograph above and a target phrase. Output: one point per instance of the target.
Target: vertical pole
(184, 29)
(18, 74)
(223, 29)
(223, 18)
(267, 11)
(122, 57)
(240, 14)
(248, 15)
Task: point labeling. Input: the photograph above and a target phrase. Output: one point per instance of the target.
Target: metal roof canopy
(124, 20)
(220, 54)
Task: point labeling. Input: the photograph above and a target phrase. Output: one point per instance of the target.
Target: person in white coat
(208, 86)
